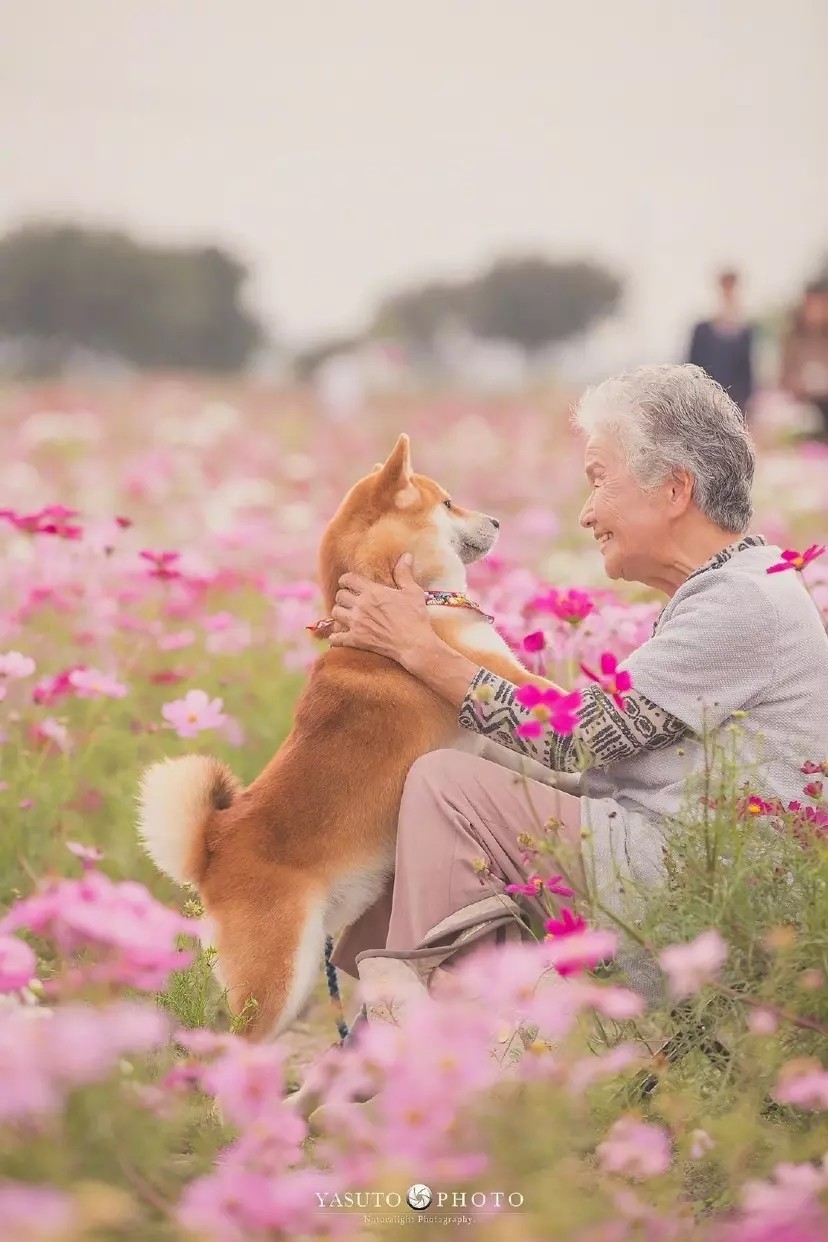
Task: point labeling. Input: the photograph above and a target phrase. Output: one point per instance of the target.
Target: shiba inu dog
(307, 847)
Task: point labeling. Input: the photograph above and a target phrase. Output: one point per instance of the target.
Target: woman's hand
(390, 622)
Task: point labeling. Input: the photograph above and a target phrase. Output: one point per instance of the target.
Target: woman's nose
(586, 518)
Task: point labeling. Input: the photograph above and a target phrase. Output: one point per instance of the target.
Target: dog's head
(392, 511)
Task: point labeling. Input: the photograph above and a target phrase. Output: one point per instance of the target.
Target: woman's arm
(395, 622)
(602, 734)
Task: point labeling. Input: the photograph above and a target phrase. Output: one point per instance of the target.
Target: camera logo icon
(419, 1197)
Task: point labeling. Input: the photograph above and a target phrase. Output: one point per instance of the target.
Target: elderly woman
(669, 466)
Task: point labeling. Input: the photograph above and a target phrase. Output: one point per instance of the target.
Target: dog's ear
(396, 471)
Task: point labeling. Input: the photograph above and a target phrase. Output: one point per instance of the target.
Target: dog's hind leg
(269, 966)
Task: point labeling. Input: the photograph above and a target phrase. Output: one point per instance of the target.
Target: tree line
(65, 288)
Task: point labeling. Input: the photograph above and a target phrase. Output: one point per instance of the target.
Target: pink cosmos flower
(797, 560)
(52, 732)
(803, 1084)
(762, 1022)
(32, 1213)
(571, 606)
(14, 665)
(18, 964)
(46, 1053)
(194, 713)
(700, 1144)
(163, 564)
(812, 769)
(52, 520)
(175, 642)
(248, 1082)
(233, 1204)
(90, 683)
(690, 966)
(611, 681)
(789, 1198)
(132, 936)
(231, 640)
(582, 948)
(617, 1003)
(635, 1149)
(89, 855)
(592, 1068)
(48, 690)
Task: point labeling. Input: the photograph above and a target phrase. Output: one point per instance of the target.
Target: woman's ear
(682, 483)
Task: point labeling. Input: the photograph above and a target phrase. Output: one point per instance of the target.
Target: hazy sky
(343, 146)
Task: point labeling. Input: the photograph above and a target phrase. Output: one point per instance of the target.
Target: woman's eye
(447, 503)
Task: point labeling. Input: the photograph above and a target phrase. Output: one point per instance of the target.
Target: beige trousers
(457, 809)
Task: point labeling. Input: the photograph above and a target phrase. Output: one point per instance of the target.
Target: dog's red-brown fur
(321, 818)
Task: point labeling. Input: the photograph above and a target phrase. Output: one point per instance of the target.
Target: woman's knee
(429, 777)
(430, 771)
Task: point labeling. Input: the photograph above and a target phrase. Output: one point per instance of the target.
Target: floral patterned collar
(446, 599)
(454, 599)
(718, 559)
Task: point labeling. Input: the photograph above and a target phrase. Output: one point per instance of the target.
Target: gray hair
(675, 417)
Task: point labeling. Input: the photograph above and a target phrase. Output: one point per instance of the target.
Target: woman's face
(631, 525)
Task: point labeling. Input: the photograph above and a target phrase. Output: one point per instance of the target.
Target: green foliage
(64, 287)
(529, 300)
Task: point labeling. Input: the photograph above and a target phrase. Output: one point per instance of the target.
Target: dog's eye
(447, 503)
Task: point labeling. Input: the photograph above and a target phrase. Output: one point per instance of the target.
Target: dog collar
(445, 599)
(454, 599)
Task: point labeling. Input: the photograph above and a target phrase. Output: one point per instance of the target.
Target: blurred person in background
(723, 345)
(804, 362)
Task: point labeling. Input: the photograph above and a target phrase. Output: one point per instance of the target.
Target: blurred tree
(530, 301)
(64, 287)
(417, 315)
(535, 302)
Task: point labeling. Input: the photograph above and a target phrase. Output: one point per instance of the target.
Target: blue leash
(333, 990)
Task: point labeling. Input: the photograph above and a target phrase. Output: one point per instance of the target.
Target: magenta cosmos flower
(550, 706)
(534, 642)
(611, 681)
(797, 560)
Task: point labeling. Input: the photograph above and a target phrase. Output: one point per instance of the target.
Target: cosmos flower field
(157, 575)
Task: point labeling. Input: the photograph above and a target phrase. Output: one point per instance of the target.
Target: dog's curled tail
(176, 799)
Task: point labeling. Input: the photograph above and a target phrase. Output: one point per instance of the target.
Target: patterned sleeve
(603, 735)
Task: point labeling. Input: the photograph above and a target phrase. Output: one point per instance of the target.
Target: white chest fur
(476, 630)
